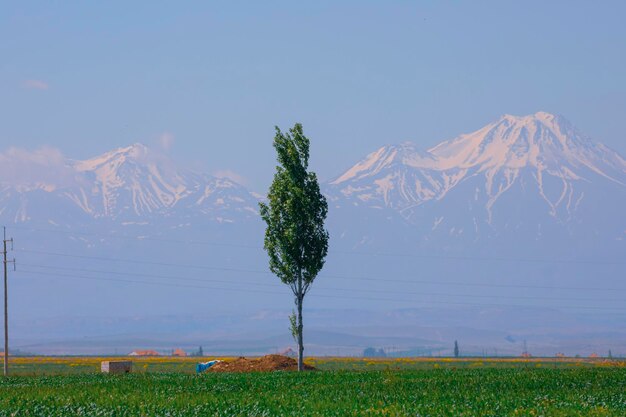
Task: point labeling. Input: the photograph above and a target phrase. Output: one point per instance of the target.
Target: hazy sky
(210, 79)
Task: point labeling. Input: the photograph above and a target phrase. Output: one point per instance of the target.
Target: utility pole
(6, 299)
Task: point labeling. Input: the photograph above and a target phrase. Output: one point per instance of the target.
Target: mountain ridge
(518, 172)
(539, 150)
(455, 153)
(132, 182)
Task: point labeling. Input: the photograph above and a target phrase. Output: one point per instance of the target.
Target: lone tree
(456, 349)
(295, 239)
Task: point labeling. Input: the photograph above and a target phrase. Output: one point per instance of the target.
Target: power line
(472, 284)
(487, 259)
(166, 284)
(135, 261)
(362, 253)
(172, 277)
(140, 238)
(319, 295)
(147, 275)
(374, 279)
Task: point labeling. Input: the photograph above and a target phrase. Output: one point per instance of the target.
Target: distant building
(144, 353)
(179, 352)
(593, 355)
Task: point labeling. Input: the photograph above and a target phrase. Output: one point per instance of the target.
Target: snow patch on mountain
(130, 183)
(515, 157)
(542, 141)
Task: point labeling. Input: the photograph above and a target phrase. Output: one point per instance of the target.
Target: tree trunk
(299, 301)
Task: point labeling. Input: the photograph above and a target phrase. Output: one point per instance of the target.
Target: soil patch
(267, 363)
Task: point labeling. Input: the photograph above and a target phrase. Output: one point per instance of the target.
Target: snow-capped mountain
(534, 175)
(525, 179)
(508, 213)
(124, 185)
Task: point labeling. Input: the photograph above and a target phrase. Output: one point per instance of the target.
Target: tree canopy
(295, 239)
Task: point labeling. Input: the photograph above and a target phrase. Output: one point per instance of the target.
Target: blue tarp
(203, 366)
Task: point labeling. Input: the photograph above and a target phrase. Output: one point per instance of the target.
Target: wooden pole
(6, 309)
(6, 298)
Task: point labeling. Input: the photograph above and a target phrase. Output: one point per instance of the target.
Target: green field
(419, 388)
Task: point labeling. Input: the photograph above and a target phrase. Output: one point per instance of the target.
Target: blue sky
(215, 77)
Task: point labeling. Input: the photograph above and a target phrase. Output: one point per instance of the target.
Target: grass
(419, 388)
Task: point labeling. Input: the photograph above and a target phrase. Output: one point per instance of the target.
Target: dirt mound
(264, 364)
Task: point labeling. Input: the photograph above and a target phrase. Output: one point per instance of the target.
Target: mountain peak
(545, 115)
(532, 146)
(116, 158)
(405, 153)
(540, 140)
(134, 181)
(136, 149)
(538, 116)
